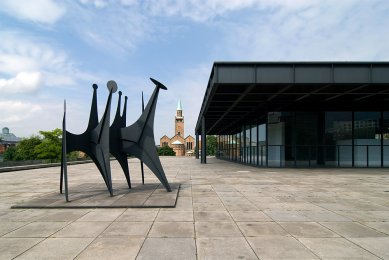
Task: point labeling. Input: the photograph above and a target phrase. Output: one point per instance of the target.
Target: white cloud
(24, 82)
(115, 28)
(41, 11)
(15, 111)
(205, 10)
(96, 3)
(329, 30)
(194, 9)
(24, 58)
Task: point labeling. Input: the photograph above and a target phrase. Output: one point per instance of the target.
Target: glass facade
(311, 139)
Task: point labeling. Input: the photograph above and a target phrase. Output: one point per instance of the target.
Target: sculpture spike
(115, 144)
(119, 104)
(93, 116)
(138, 138)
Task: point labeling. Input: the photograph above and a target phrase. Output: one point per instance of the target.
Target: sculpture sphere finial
(112, 86)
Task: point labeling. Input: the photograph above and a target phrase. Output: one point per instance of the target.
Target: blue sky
(55, 50)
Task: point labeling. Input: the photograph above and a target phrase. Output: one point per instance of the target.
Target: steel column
(203, 142)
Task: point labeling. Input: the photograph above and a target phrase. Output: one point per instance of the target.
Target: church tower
(179, 122)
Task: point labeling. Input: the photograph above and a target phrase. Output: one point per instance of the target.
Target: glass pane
(367, 139)
(305, 138)
(248, 141)
(238, 147)
(385, 135)
(276, 139)
(338, 138)
(262, 144)
(254, 138)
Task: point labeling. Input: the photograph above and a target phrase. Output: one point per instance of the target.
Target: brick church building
(183, 146)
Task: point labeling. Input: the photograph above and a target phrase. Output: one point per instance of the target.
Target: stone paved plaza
(224, 211)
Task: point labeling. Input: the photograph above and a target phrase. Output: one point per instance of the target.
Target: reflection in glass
(367, 139)
(338, 138)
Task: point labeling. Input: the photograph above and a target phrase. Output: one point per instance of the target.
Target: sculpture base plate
(95, 195)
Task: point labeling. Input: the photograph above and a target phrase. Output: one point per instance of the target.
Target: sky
(55, 50)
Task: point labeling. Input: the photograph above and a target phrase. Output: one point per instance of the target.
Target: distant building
(183, 146)
(7, 139)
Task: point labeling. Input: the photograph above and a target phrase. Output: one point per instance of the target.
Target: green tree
(25, 149)
(51, 145)
(211, 145)
(166, 151)
(10, 153)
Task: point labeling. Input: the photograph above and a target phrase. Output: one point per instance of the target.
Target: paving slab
(102, 215)
(168, 249)
(224, 248)
(7, 227)
(177, 216)
(324, 215)
(112, 248)
(172, 229)
(83, 229)
(352, 229)
(377, 246)
(241, 216)
(336, 248)
(207, 216)
(254, 229)
(57, 248)
(217, 229)
(131, 215)
(117, 229)
(12, 247)
(379, 226)
(307, 229)
(286, 215)
(37, 229)
(280, 247)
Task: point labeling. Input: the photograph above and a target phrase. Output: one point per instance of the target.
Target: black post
(352, 139)
(64, 170)
(141, 162)
(382, 138)
(197, 146)
(203, 142)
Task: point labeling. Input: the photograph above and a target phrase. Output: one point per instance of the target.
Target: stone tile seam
(245, 238)
(94, 239)
(351, 241)
(148, 232)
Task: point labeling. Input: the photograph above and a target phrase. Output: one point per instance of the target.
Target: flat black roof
(243, 92)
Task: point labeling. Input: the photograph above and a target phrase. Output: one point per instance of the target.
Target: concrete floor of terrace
(224, 211)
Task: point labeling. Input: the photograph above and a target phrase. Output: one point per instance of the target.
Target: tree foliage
(51, 145)
(10, 153)
(25, 149)
(211, 145)
(166, 151)
(47, 146)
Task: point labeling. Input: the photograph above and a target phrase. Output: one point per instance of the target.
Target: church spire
(179, 120)
(179, 106)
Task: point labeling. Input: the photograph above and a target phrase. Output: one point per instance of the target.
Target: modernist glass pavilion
(298, 114)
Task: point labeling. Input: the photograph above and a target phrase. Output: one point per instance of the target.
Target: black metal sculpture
(141, 162)
(100, 139)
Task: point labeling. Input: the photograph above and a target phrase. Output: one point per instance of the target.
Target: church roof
(179, 106)
(6, 136)
(176, 142)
